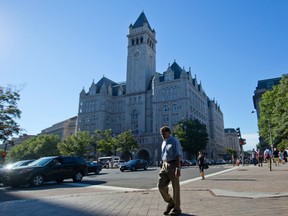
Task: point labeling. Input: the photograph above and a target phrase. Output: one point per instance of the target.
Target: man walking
(254, 155)
(171, 170)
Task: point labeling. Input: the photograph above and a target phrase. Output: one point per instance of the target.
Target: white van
(109, 161)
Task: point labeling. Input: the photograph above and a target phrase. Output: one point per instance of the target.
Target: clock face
(136, 54)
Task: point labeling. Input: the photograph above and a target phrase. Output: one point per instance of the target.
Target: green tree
(36, 147)
(97, 136)
(273, 119)
(9, 112)
(78, 144)
(126, 143)
(231, 152)
(192, 135)
(106, 142)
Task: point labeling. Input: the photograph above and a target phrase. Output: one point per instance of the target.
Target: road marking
(103, 187)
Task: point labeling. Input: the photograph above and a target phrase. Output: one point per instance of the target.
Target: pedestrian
(201, 164)
(253, 157)
(285, 156)
(267, 154)
(280, 157)
(260, 158)
(171, 153)
(275, 156)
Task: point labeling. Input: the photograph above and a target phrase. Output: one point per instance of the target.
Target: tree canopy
(36, 147)
(9, 112)
(78, 144)
(192, 135)
(274, 114)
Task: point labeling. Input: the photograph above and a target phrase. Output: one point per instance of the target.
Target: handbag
(206, 166)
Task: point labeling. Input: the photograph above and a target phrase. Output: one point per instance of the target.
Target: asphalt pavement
(241, 190)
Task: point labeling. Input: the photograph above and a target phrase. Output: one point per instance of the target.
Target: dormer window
(169, 77)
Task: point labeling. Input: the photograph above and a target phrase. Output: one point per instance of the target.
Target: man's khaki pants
(167, 174)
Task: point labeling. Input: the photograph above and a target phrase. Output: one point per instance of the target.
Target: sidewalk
(244, 190)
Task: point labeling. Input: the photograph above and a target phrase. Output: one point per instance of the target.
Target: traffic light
(238, 132)
(4, 154)
(242, 141)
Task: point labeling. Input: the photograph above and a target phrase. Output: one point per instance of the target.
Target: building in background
(62, 129)
(232, 140)
(149, 99)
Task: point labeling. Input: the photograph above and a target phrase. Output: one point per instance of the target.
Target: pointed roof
(105, 81)
(177, 70)
(140, 21)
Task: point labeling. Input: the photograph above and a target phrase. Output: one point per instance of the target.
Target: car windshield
(11, 165)
(41, 161)
(132, 161)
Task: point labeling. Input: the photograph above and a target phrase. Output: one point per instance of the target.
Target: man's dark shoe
(176, 212)
(168, 209)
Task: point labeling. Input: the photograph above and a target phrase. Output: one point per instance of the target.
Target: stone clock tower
(141, 60)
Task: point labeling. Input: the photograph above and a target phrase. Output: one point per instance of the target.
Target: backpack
(267, 156)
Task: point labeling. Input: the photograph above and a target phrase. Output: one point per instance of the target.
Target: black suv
(53, 168)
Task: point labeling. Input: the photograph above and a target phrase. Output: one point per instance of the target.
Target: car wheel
(37, 180)
(145, 167)
(97, 171)
(122, 170)
(133, 168)
(78, 176)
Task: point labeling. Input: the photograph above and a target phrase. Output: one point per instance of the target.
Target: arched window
(174, 108)
(134, 115)
(165, 108)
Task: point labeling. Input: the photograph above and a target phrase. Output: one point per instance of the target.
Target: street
(240, 190)
(108, 178)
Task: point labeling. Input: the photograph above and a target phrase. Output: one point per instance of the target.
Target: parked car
(94, 167)
(186, 163)
(220, 162)
(13, 165)
(193, 162)
(134, 165)
(210, 161)
(119, 163)
(53, 168)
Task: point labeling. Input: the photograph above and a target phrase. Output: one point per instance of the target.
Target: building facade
(62, 129)
(232, 140)
(149, 99)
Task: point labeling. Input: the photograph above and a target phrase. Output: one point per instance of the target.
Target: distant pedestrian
(285, 155)
(170, 172)
(201, 164)
(280, 157)
(275, 156)
(267, 154)
(253, 157)
(260, 157)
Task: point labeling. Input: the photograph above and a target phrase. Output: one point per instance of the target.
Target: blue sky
(52, 49)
